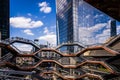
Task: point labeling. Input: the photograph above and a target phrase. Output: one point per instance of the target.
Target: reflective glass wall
(78, 21)
(94, 26)
(64, 21)
(118, 27)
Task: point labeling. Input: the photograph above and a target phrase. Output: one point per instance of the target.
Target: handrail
(12, 77)
(76, 54)
(16, 49)
(112, 40)
(14, 39)
(77, 77)
(14, 72)
(69, 43)
(96, 48)
(56, 51)
(90, 75)
(64, 66)
(17, 72)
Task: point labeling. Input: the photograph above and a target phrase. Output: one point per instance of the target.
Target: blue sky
(36, 19)
(33, 19)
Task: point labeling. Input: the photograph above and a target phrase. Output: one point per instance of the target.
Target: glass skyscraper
(4, 19)
(4, 22)
(67, 22)
(67, 29)
(81, 22)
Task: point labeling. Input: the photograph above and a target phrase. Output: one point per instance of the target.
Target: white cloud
(28, 32)
(46, 30)
(118, 29)
(44, 7)
(106, 33)
(43, 4)
(91, 35)
(49, 37)
(50, 31)
(23, 22)
(103, 36)
(90, 30)
(97, 27)
(23, 47)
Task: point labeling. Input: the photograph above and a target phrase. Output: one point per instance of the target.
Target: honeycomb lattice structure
(100, 62)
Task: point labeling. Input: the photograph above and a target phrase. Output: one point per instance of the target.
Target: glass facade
(4, 22)
(79, 21)
(94, 26)
(67, 29)
(4, 19)
(64, 21)
(118, 27)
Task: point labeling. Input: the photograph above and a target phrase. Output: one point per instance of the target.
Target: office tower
(67, 20)
(4, 20)
(78, 21)
(113, 28)
(67, 29)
